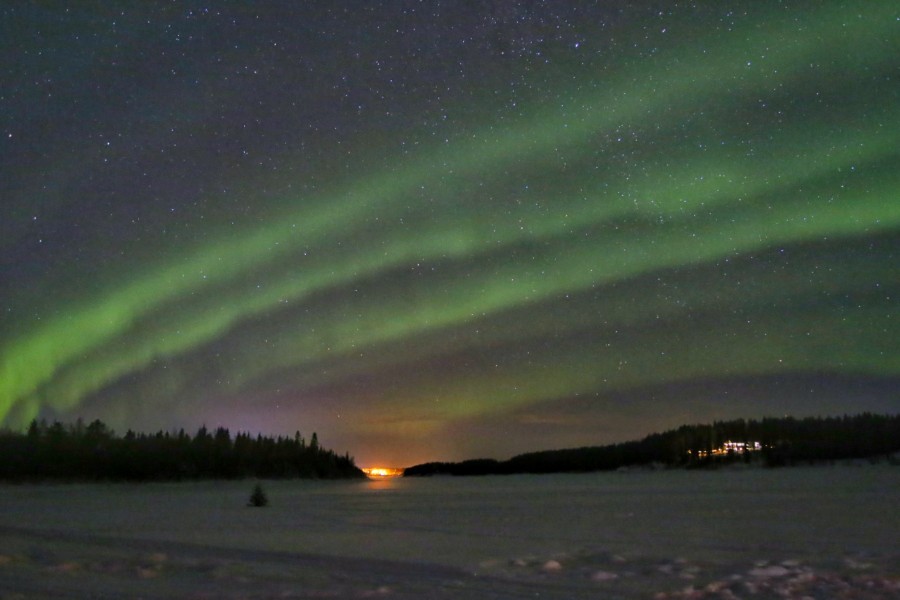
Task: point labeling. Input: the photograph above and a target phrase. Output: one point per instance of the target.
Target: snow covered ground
(823, 532)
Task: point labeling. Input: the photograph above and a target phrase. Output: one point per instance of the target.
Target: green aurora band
(614, 239)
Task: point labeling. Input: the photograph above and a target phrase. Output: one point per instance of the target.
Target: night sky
(445, 229)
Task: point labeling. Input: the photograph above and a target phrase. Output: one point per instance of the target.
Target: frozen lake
(823, 532)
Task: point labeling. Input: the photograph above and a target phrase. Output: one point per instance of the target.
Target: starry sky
(445, 229)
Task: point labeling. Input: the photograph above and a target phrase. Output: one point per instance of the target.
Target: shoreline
(733, 466)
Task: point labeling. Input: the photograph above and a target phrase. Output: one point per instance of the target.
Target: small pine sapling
(258, 497)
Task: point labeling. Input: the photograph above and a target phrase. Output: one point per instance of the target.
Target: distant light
(376, 472)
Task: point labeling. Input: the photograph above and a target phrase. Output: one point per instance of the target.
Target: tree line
(94, 452)
(782, 442)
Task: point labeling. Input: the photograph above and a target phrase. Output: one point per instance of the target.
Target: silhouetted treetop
(94, 452)
(770, 441)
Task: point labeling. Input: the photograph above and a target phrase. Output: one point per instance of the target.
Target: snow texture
(824, 532)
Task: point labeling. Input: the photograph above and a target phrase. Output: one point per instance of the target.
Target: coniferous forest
(781, 442)
(94, 452)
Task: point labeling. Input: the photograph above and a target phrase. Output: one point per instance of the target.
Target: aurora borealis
(438, 230)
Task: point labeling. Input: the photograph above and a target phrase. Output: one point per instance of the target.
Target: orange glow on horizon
(382, 472)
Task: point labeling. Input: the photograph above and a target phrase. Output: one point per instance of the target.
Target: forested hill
(770, 442)
(94, 452)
